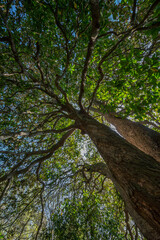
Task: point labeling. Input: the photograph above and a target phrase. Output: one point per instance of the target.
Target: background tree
(68, 69)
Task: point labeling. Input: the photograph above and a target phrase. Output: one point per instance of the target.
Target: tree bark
(135, 175)
(138, 135)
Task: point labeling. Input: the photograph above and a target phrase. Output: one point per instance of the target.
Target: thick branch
(133, 12)
(146, 139)
(94, 34)
(100, 167)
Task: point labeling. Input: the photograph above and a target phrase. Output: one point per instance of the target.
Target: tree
(65, 65)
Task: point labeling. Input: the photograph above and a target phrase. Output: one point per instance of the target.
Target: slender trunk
(135, 175)
(138, 135)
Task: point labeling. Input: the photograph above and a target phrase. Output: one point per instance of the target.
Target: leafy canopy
(58, 58)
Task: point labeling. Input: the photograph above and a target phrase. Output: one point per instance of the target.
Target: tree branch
(39, 160)
(154, 25)
(153, 6)
(34, 133)
(107, 33)
(100, 167)
(41, 199)
(5, 189)
(127, 33)
(133, 12)
(94, 34)
(113, 49)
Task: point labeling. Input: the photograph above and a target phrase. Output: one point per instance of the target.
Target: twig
(41, 199)
(5, 189)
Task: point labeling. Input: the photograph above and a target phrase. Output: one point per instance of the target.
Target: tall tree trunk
(135, 175)
(138, 135)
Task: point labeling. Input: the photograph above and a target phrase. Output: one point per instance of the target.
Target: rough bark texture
(135, 175)
(138, 135)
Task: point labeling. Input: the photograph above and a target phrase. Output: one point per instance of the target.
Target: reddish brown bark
(138, 135)
(135, 175)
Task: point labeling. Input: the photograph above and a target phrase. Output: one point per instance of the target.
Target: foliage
(58, 59)
(77, 219)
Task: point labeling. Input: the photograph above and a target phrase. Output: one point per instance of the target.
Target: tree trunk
(135, 175)
(138, 135)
